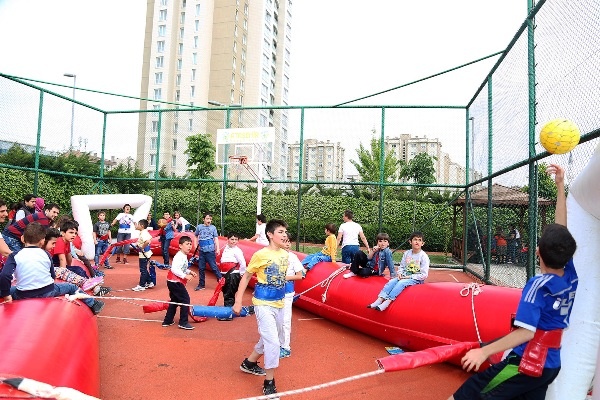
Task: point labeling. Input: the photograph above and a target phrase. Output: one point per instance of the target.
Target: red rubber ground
(143, 360)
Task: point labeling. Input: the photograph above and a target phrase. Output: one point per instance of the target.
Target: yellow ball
(559, 136)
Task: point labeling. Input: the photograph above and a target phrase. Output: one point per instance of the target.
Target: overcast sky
(341, 49)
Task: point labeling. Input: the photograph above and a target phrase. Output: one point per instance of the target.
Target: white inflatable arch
(579, 353)
(82, 205)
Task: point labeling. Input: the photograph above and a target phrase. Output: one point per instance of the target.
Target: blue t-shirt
(546, 303)
(206, 237)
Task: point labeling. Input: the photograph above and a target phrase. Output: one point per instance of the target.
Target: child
(34, 274)
(348, 235)
(379, 257)
(294, 272)
(542, 314)
(260, 237)
(102, 238)
(270, 266)
(177, 278)
(125, 220)
(329, 251)
(147, 277)
(232, 261)
(166, 234)
(414, 269)
(501, 246)
(62, 250)
(181, 224)
(208, 244)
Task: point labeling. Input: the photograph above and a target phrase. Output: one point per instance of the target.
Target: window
(162, 30)
(233, 79)
(246, 8)
(195, 42)
(236, 15)
(177, 95)
(179, 63)
(243, 55)
(175, 129)
(245, 24)
(153, 143)
(263, 120)
(163, 2)
(160, 62)
(154, 126)
(197, 10)
(152, 159)
(162, 15)
(197, 25)
(181, 32)
(191, 124)
(193, 77)
(160, 46)
(156, 107)
(180, 49)
(235, 32)
(194, 58)
(183, 4)
(158, 78)
(182, 18)
(174, 144)
(268, 17)
(264, 90)
(173, 161)
(157, 94)
(235, 47)
(192, 91)
(265, 74)
(243, 69)
(244, 39)
(232, 96)
(178, 80)
(233, 64)
(241, 84)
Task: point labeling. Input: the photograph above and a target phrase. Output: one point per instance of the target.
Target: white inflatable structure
(82, 205)
(579, 354)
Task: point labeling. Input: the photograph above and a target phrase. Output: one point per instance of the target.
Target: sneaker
(186, 326)
(102, 291)
(108, 266)
(252, 368)
(97, 307)
(124, 260)
(375, 303)
(199, 288)
(91, 283)
(269, 387)
(138, 288)
(165, 324)
(118, 259)
(224, 318)
(284, 353)
(149, 285)
(349, 275)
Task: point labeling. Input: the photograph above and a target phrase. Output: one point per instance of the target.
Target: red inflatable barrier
(52, 341)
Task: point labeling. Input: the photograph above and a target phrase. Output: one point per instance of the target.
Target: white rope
(474, 289)
(140, 299)
(130, 319)
(324, 283)
(317, 387)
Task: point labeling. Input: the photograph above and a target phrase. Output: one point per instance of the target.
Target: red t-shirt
(77, 242)
(62, 247)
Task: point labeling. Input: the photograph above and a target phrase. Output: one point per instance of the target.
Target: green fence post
(381, 168)
(100, 184)
(300, 171)
(467, 189)
(37, 145)
(157, 160)
(224, 183)
(488, 245)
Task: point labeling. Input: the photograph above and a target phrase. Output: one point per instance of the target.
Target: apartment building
(323, 161)
(201, 54)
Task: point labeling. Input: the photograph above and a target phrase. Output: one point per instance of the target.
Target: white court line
(309, 319)
(453, 277)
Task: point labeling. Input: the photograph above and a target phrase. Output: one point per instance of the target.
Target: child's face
(69, 235)
(30, 203)
(126, 209)
(383, 244)
(3, 213)
(101, 217)
(139, 226)
(50, 244)
(186, 247)
(279, 236)
(416, 243)
(287, 244)
(233, 241)
(166, 215)
(176, 215)
(207, 220)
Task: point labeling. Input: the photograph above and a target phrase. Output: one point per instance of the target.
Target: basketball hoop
(240, 159)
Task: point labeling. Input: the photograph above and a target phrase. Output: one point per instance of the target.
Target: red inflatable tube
(403, 361)
(50, 340)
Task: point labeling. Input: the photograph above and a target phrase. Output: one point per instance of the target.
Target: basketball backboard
(256, 144)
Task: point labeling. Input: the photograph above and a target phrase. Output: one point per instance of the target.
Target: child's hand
(473, 359)
(375, 248)
(237, 308)
(8, 299)
(557, 171)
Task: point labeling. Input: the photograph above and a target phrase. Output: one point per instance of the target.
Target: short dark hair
(143, 223)
(232, 234)
(556, 246)
(28, 197)
(101, 212)
(416, 234)
(69, 224)
(382, 236)
(52, 233)
(261, 218)
(206, 214)
(331, 228)
(50, 206)
(349, 214)
(126, 205)
(274, 224)
(184, 239)
(3, 203)
(33, 233)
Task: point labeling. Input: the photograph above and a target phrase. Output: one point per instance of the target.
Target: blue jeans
(145, 275)
(124, 249)
(60, 289)
(164, 245)
(394, 287)
(312, 259)
(100, 249)
(348, 251)
(13, 244)
(210, 258)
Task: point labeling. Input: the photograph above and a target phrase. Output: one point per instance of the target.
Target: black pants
(359, 265)
(178, 294)
(232, 282)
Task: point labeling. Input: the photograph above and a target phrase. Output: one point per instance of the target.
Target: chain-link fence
(469, 177)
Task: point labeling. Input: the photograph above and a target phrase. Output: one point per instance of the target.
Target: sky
(341, 49)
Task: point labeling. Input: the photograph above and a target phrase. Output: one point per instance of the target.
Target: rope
(317, 387)
(474, 289)
(130, 319)
(324, 283)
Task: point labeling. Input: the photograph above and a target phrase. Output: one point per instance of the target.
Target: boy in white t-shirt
(348, 235)
(147, 277)
(260, 236)
(294, 272)
(232, 261)
(177, 278)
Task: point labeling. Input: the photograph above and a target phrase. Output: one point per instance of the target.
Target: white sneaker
(138, 288)
(349, 275)
(149, 285)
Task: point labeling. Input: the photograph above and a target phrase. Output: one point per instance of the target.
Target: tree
(201, 156)
(546, 186)
(419, 170)
(129, 170)
(369, 163)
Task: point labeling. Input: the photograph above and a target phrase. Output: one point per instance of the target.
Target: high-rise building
(203, 52)
(323, 161)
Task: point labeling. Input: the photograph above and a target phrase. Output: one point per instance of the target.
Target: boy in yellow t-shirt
(270, 266)
(329, 251)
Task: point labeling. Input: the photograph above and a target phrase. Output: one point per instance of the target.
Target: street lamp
(72, 108)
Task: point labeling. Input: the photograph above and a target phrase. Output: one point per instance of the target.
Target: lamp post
(72, 108)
